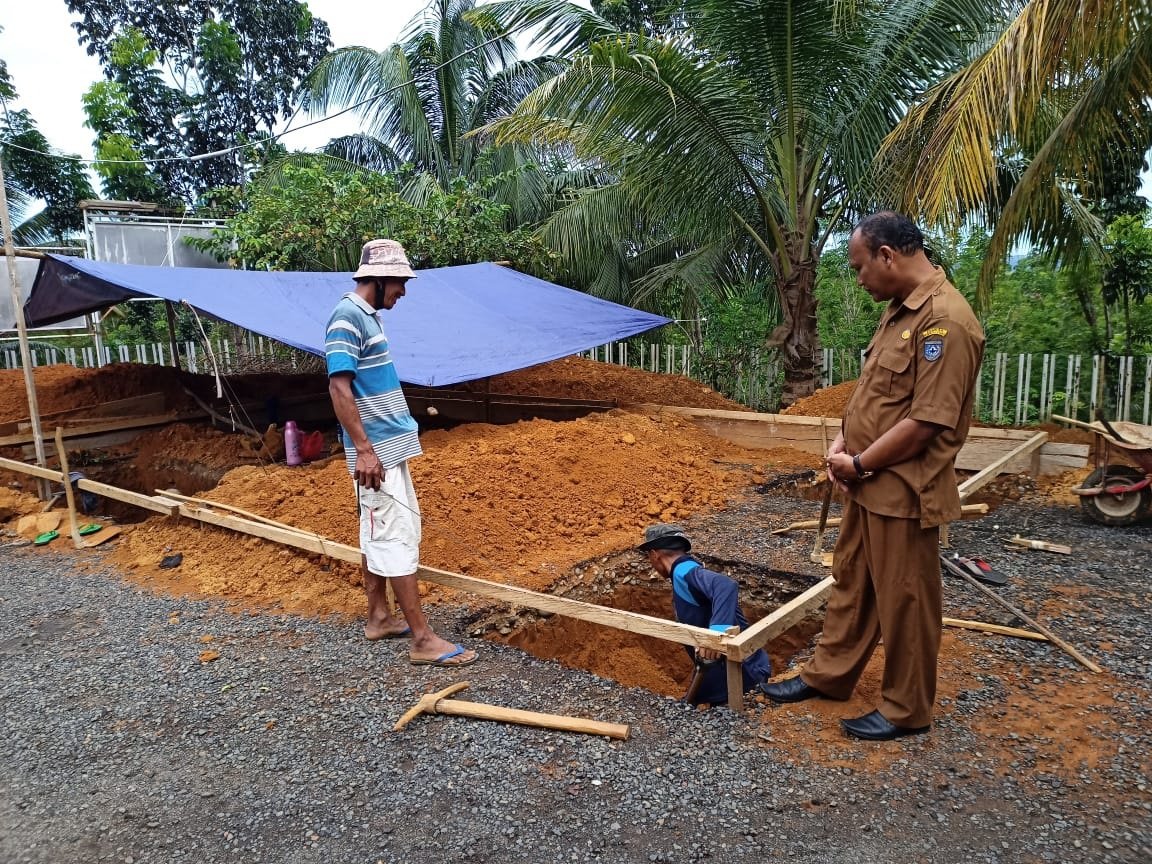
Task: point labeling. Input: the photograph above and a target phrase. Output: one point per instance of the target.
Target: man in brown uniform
(894, 460)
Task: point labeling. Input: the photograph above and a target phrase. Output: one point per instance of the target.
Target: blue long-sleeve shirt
(704, 598)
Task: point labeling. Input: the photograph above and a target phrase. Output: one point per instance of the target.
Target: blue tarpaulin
(455, 323)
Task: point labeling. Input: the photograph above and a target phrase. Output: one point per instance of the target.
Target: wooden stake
(73, 522)
(170, 314)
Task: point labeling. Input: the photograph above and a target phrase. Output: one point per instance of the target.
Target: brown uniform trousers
(904, 612)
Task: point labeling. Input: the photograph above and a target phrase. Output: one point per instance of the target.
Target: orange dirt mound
(62, 388)
(578, 378)
(828, 402)
(518, 503)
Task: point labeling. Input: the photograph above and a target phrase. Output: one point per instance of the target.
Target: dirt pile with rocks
(579, 378)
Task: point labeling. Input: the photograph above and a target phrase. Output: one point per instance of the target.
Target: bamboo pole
(22, 331)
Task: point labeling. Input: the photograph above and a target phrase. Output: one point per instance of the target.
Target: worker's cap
(381, 258)
(662, 536)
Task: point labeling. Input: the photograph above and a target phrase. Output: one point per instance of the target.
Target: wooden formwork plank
(989, 472)
(106, 426)
(146, 404)
(810, 434)
(632, 622)
(773, 624)
(31, 470)
(126, 496)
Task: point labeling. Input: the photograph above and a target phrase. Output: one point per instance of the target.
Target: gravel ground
(120, 743)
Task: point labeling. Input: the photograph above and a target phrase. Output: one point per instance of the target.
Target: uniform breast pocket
(894, 373)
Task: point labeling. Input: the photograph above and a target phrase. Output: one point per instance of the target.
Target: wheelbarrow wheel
(1125, 509)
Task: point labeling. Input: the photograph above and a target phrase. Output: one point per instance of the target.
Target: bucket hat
(664, 536)
(383, 258)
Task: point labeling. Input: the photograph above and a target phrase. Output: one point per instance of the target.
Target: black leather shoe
(875, 727)
(790, 690)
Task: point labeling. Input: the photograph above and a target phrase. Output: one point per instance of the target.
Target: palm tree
(1025, 136)
(739, 146)
(419, 115)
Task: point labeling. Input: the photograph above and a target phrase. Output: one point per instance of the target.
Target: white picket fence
(1015, 389)
(194, 356)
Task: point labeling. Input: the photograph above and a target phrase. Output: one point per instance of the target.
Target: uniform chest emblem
(906, 334)
(933, 348)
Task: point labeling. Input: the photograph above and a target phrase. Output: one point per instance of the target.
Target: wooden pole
(170, 313)
(984, 627)
(996, 598)
(73, 522)
(22, 331)
(967, 511)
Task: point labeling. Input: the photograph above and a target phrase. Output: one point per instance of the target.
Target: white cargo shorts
(390, 524)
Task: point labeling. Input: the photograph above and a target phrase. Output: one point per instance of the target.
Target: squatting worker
(701, 598)
(894, 460)
(380, 437)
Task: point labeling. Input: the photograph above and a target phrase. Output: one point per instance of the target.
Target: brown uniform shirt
(922, 363)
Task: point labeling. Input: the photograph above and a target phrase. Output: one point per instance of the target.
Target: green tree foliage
(1128, 272)
(1030, 134)
(418, 115)
(186, 79)
(31, 173)
(31, 166)
(639, 16)
(317, 218)
(732, 156)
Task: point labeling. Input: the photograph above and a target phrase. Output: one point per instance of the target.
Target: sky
(51, 71)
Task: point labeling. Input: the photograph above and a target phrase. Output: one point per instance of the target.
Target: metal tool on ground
(439, 703)
(817, 557)
(701, 667)
(956, 570)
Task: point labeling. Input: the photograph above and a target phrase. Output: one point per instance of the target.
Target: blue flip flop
(445, 659)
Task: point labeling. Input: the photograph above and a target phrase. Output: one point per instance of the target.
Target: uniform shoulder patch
(933, 348)
(934, 331)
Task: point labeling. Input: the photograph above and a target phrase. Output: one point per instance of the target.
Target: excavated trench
(624, 581)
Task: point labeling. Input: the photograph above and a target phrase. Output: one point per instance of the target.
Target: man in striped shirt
(380, 437)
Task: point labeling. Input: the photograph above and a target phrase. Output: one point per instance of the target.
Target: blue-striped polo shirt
(355, 342)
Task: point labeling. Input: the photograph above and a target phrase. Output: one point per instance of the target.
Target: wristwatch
(860, 472)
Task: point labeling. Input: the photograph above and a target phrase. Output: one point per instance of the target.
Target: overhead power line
(200, 157)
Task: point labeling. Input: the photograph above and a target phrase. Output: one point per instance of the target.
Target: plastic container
(292, 443)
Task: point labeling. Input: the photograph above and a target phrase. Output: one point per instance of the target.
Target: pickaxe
(439, 703)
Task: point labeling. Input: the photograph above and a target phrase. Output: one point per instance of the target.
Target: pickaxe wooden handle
(439, 703)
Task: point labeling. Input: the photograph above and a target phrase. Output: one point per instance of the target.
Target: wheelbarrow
(1117, 494)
